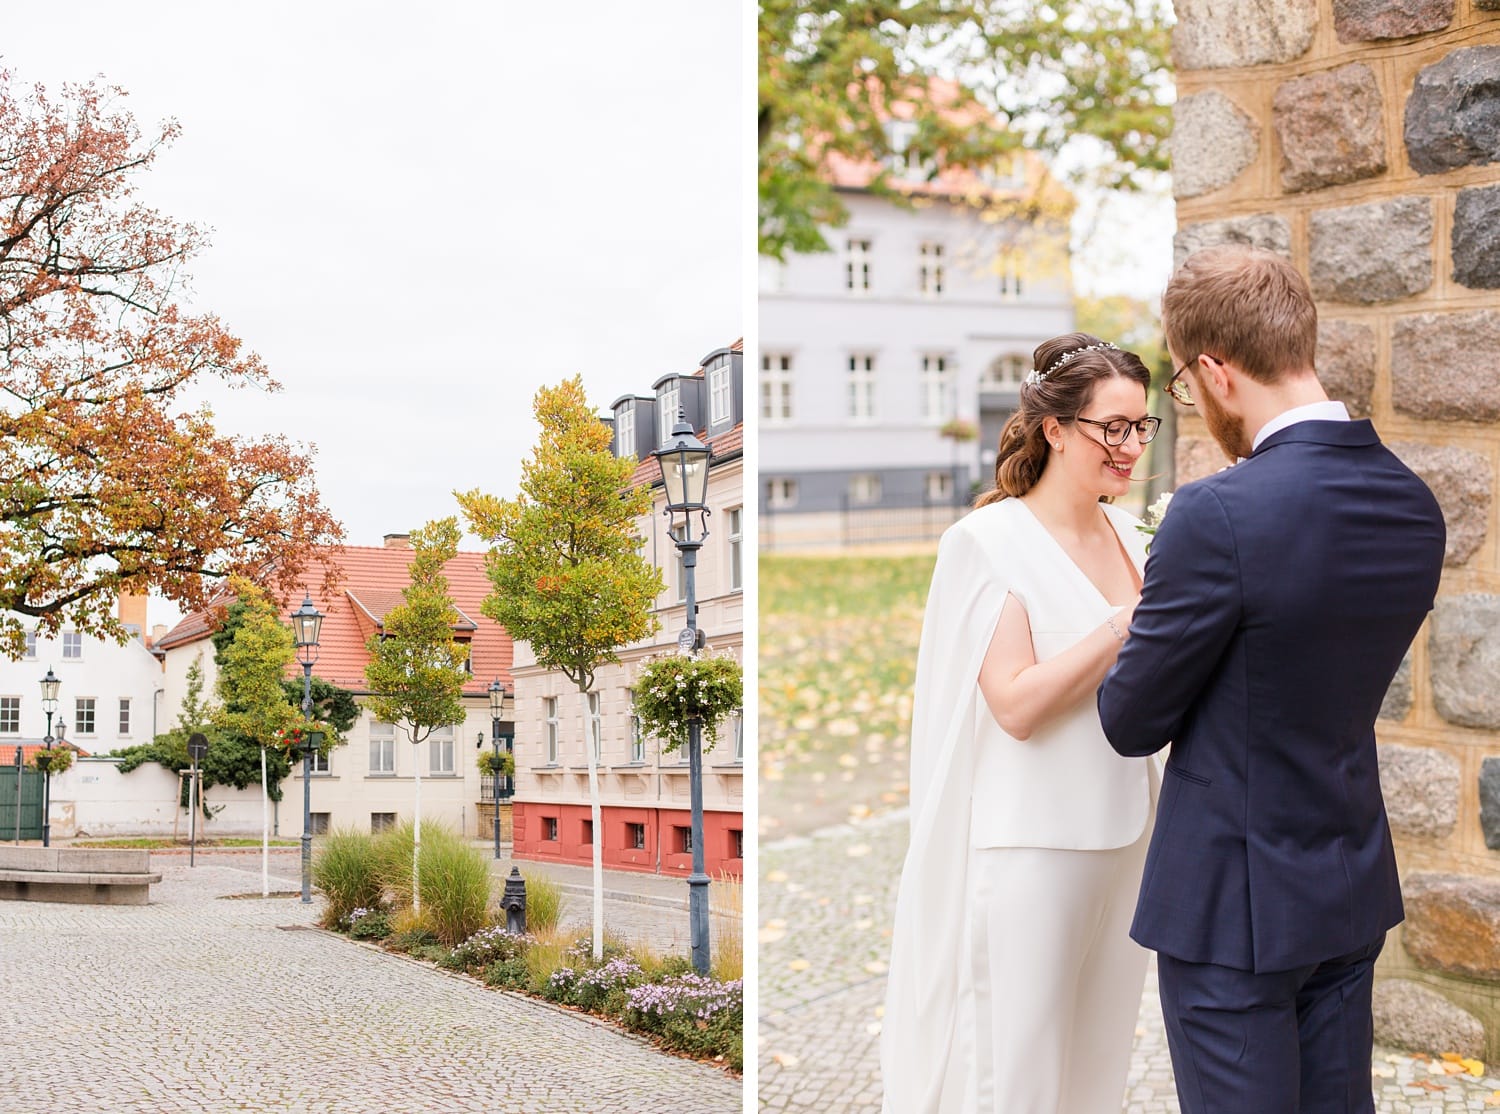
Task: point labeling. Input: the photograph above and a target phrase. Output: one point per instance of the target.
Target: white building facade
(919, 317)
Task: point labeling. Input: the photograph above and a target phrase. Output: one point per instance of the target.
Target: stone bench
(76, 875)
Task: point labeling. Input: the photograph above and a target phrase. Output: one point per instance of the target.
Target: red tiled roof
(372, 579)
(30, 750)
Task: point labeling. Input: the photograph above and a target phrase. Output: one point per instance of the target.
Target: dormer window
(668, 401)
(625, 431)
(720, 391)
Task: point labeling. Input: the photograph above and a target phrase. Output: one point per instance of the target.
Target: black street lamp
(502, 787)
(50, 685)
(684, 473)
(307, 622)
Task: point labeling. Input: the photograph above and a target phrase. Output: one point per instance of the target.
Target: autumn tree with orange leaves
(109, 480)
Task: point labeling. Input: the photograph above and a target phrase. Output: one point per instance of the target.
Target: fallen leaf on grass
(776, 876)
(875, 967)
(799, 965)
(858, 851)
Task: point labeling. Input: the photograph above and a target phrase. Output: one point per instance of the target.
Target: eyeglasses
(1116, 431)
(1178, 387)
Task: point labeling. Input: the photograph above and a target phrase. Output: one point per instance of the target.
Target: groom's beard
(1228, 431)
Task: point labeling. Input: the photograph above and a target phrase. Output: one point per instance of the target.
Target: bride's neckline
(1114, 527)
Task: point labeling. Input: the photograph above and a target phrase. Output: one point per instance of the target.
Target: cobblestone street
(826, 903)
(194, 1003)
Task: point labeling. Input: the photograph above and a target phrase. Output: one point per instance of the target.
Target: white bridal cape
(1063, 788)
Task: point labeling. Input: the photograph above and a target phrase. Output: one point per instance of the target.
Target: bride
(1014, 984)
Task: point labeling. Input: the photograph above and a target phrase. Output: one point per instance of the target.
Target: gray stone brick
(1461, 481)
(1421, 790)
(1361, 21)
(1346, 363)
(1262, 230)
(1213, 141)
(1476, 238)
(1331, 127)
(1443, 365)
(1215, 33)
(1453, 113)
(1409, 1015)
(1464, 652)
(1380, 252)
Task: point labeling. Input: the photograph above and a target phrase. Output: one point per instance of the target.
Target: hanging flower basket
(53, 761)
(672, 691)
(294, 740)
(504, 765)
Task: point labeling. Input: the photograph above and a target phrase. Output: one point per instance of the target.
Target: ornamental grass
(344, 869)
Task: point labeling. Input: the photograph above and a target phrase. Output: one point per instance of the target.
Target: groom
(1279, 599)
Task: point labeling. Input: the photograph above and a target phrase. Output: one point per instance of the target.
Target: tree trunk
(597, 842)
(416, 833)
(265, 829)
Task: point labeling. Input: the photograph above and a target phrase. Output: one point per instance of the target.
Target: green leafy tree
(223, 765)
(969, 80)
(253, 653)
(416, 668)
(568, 577)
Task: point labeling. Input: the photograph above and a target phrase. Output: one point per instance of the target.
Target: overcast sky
(421, 213)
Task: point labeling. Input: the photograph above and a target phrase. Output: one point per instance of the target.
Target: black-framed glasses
(1118, 429)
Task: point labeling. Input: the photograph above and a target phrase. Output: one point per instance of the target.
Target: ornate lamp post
(307, 622)
(50, 685)
(684, 471)
(497, 706)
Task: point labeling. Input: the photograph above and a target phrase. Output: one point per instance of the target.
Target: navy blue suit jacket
(1279, 598)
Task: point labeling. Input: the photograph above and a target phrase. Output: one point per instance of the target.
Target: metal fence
(851, 526)
(20, 801)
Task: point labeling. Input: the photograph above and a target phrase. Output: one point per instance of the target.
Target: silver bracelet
(1114, 629)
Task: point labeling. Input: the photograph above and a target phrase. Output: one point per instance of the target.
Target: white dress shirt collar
(1331, 411)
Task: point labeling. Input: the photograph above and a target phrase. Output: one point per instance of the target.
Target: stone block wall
(1361, 138)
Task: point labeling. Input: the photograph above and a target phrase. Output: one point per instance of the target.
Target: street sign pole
(197, 748)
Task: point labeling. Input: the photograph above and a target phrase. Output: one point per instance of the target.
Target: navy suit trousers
(1282, 1042)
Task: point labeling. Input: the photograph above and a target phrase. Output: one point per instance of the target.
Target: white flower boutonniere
(1154, 514)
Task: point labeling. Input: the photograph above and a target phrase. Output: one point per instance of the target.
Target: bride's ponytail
(1022, 456)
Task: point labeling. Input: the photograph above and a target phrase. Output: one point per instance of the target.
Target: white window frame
(781, 493)
(1006, 370)
(736, 517)
(637, 736)
(930, 269)
(937, 388)
(124, 720)
(382, 747)
(1009, 267)
(90, 705)
(10, 712)
(321, 765)
(595, 731)
(30, 652)
(720, 393)
(862, 387)
(864, 489)
(440, 752)
(72, 645)
(625, 431)
(857, 265)
(549, 705)
(668, 402)
(777, 402)
(939, 487)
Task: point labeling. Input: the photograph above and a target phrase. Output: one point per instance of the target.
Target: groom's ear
(1216, 372)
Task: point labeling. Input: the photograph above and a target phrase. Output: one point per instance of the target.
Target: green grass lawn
(838, 652)
(161, 844)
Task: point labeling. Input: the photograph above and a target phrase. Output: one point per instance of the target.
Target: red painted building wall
(649, 840)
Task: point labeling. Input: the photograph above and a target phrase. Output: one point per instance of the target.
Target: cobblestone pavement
(197, 1004)
(826, 903)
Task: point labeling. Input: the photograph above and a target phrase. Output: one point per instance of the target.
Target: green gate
(28, 797)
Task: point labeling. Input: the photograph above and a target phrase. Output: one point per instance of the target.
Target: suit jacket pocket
(1188, 775)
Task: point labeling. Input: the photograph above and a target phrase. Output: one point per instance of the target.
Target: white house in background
(918, 316)
(370, 782)
(109, 696)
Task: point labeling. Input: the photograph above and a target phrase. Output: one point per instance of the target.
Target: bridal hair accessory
(1034, 377)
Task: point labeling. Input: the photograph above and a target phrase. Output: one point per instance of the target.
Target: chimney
(158, 632)
(133, 612)
(398, 541)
